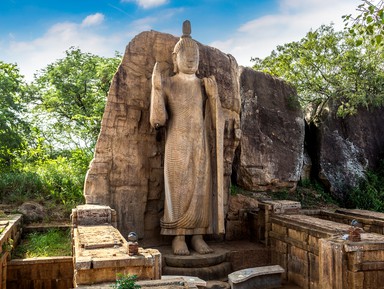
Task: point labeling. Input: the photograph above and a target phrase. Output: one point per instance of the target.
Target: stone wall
(10, 234)
(315, 255)
(126, 172)
(40, 273)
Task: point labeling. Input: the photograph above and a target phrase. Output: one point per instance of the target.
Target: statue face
(187, 60)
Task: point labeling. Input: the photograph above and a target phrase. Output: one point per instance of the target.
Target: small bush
(369, 194)
(126, 282)
(17, 187)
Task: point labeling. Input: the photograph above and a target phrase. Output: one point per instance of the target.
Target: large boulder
(32, 212)
(271, 151)
(126, 172)
(347, 147)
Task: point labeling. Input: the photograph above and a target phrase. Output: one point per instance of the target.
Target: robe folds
(193, 161)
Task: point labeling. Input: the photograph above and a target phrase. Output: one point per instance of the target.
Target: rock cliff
(345, 148)
(271, 152)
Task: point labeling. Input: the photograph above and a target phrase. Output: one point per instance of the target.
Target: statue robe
(191, 187)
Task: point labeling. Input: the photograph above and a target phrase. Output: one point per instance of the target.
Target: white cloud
(38, 53)
(148, 3)
(258, 37)
(92, 20)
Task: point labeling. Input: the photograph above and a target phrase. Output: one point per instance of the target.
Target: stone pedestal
(212, 266)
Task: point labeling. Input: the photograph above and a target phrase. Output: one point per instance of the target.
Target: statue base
(213, 266)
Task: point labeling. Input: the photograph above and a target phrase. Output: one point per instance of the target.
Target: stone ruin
(268, 146)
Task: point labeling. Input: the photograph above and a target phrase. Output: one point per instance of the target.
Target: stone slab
(284, 206)
(362, 213)
(103, 236)
(305, 222)
(191, 280)
(255, 278)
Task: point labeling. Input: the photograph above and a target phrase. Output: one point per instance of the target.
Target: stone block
(313, 276)
(298, 266)
(300, 236)
(85, 215)
(256, 278)
(281, 230)
(373, 279)
(279, 254)
(355, 280)
(285, 206)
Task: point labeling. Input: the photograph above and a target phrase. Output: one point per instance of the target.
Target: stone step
(215, 272)
(266, 277)
(196, 260)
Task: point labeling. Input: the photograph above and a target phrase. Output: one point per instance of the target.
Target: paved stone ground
(290, 286)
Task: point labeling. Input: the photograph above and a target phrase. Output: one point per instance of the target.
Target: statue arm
(213, 96)
(158, 112)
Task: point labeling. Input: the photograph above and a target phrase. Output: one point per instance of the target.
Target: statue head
(186, 52)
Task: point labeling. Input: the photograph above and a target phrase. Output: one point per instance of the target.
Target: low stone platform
(372, 222)
(100, 251)
(266, 277)
(316, 255)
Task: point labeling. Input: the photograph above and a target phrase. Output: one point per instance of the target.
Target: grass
(310, 194)
(51, 243)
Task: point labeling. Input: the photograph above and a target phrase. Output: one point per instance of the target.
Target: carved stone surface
(127, 170)
(271, 152)
(189, 109)
(347, 147)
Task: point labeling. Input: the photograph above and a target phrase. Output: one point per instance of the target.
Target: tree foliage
(70, 96)
(368, 25)
(327, 65)
(12, 126)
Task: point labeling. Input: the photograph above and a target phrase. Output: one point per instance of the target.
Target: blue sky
(36, 33)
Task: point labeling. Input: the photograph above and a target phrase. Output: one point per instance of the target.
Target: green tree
(70, 96)
(327, 65)
(368, 25)
(13, 128)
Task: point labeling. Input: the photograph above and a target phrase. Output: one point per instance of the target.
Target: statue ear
(175, 68)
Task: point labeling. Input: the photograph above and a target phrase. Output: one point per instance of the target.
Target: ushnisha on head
(186, 52)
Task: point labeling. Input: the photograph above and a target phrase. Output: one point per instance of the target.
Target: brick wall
(40, 273)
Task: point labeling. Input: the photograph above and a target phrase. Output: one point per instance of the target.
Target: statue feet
(199, 245)
(179, 246)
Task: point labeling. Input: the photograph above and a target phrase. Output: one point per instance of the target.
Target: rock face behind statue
(270, 155)
(347, 147)
(127, 170)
